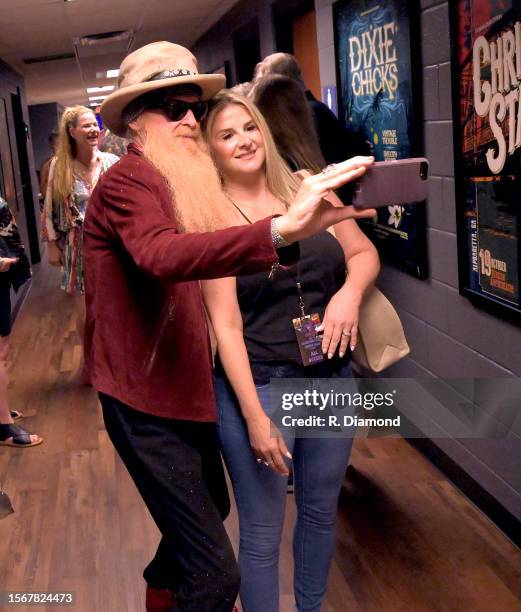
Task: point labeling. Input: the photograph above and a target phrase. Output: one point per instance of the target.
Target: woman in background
(252, 319)
(283, 104)
(73, 175)
(289, 115)
(337, 142)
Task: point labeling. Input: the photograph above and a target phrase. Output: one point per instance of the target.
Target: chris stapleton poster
(376, 97)
(487, 71)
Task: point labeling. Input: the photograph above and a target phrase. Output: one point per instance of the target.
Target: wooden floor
(407, 540)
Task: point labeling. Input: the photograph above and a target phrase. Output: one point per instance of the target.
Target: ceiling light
(96, 89)
(112, 74)
(92, 98)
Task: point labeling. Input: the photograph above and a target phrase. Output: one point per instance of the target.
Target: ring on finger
(329, 168)
(346, 333)
(259, 460)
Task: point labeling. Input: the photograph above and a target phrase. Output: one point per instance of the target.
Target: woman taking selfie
(253, 319)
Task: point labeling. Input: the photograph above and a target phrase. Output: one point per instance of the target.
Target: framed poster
(375, 68)
(486, 66)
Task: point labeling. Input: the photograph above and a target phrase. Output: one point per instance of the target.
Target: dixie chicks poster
(489, 77)
(373, 48)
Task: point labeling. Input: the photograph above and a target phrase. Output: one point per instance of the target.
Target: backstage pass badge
(309, 342)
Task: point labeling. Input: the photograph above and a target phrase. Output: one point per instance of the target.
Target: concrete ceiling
(43, 28)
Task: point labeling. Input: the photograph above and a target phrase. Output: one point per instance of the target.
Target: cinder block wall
(448, 336)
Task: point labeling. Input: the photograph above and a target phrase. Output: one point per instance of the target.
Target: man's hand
(6, 263)
(54, 254)
(310, 213)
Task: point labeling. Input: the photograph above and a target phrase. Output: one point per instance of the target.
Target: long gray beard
(199, 202)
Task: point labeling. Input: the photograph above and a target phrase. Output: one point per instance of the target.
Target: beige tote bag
(381, 339)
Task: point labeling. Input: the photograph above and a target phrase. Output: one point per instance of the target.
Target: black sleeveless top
(269, 305)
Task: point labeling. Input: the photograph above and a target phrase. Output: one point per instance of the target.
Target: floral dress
(63, 221)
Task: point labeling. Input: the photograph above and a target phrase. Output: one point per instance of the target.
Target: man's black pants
(177, 468)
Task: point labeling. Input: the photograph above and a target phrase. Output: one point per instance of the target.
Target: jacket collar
(135, 148)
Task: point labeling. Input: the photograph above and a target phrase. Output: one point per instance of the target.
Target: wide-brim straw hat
(154, 66)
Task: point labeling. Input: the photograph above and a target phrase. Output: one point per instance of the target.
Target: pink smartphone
(403, 181)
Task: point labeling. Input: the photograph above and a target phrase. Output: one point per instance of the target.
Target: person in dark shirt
(257, 319)
(284, 106)
(336, 141)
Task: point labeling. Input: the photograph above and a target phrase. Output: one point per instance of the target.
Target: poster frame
(487, 303)
(421, 268)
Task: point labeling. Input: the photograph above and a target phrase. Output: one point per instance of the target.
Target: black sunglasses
(175, 110)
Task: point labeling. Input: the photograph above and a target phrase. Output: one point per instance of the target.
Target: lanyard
(301, 303)
(275, 267)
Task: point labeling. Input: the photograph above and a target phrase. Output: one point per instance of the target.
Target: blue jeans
(319, 466)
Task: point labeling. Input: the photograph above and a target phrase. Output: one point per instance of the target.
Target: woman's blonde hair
(63, 176)
(281, 181)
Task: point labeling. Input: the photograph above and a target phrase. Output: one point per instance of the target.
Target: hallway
(407, 539)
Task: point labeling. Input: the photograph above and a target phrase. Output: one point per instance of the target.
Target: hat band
(169, 74)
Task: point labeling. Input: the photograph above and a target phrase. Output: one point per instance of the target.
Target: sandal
(16, 415)
(19, 436)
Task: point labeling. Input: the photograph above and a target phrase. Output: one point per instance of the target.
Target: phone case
(404, 181)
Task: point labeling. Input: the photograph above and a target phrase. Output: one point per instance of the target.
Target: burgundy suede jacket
(146, 338)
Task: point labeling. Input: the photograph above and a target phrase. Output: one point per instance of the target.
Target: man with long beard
(149, 238)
